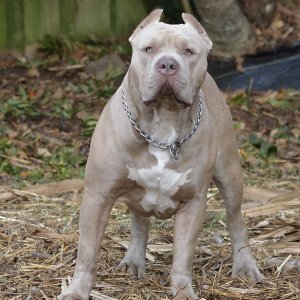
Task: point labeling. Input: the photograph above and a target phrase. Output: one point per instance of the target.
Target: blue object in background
(270, 70)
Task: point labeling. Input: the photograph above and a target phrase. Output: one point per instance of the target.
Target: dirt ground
(39, 243)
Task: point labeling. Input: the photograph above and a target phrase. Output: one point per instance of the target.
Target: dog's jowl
(160, 141)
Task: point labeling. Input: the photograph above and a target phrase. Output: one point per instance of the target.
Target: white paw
(182, 288)
(134, 261)
(135, 266)
(71, 293)
(79, 289)
(244, 265)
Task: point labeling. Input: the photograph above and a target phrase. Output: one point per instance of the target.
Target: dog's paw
(244, 265)
(134, 261)
(182, 288)
(133, 265)
(79, 289)
(71, 293)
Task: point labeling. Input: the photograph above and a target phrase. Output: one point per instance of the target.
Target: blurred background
(61, 61)
(237, 28)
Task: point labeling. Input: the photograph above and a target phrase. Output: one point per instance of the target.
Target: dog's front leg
(94, 215)
(134, 260)
(231, 188)
(188, 222)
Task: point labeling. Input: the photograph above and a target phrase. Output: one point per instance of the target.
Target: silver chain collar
(174, 147)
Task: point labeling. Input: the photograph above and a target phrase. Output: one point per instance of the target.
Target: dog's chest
(159, 181)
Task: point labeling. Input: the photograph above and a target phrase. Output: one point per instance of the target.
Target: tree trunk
(227, 27)
(259, 12)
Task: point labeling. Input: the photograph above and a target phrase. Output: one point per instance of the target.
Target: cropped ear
(154, 16)
(189, 19)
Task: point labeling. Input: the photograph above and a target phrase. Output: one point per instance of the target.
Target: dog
(162, 138)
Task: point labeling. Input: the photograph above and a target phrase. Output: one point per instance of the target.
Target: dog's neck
(164, 119)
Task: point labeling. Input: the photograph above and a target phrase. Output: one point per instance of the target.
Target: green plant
(58, 45)
(215, 220)
(64, 160)
(239, 100)
(89, 126)
(19, 105)
(280, 103)
(265, 148)
(63, 108)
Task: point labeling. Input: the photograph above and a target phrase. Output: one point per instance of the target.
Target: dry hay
(38, 244)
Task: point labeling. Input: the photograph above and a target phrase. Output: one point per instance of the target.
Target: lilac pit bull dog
(160, 141)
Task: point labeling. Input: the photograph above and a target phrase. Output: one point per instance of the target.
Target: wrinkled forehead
(160, 34)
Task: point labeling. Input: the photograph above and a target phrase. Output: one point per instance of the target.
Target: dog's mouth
(167, 93)
(166, 90)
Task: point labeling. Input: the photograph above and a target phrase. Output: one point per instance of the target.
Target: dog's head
(169, 60)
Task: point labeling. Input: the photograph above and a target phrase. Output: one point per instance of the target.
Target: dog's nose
(167, 65)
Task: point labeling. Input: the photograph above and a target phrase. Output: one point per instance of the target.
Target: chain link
(174, 147)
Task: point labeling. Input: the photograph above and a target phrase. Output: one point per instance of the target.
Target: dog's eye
(188, 52)
(149, 49)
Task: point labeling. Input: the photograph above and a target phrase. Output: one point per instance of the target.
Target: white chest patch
(159, 182)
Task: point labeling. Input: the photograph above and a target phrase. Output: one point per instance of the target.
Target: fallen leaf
(34, 73)
(44, 152)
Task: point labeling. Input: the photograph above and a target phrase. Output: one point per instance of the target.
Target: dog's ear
(154, 16)
(189, 19)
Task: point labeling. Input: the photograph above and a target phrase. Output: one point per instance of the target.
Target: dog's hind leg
(134, 260)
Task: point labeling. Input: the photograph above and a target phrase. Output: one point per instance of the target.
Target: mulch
(39, 234)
